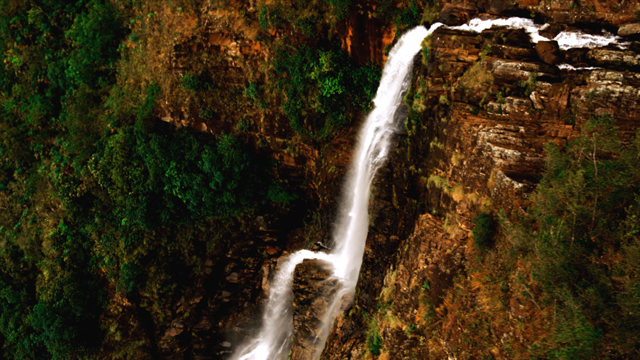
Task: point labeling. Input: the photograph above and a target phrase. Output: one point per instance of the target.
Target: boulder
(233, 277)
(537, 102)
(551, 31)
(549, 52)
(313, 290)
(629, 29)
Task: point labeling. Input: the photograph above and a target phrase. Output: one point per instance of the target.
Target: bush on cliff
(324, 90)
(483, 228)
(582, 238)
(98, 197)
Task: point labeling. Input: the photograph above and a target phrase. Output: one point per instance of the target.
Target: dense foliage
(483, 229)
(327, 82)
(102, 204)
(97, 196)
(581, 236)
(57, 55)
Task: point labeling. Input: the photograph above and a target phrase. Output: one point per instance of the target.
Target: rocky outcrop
(427, 262)
(488, 105)
(456, 12)
(549, 52)
(314, 287)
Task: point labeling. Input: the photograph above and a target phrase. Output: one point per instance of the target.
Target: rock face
(488, 105)
(313, 290)
(427, 262)
(629, 29)
(549, 52)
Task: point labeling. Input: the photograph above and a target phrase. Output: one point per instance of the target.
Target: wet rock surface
(314, 287)
(549, 52)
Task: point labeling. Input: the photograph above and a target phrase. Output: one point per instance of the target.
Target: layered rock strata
(488, 104)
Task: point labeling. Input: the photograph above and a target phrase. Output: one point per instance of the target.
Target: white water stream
(273, 341)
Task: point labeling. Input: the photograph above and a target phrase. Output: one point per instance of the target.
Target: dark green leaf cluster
(405, 17)
(483, 229)
(70, 300)
(58, 57)
(97, 195)
(324, 89)
(162, 177)
(340, 8)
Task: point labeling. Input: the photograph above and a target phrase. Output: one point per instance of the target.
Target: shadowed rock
(549, 52)
(313, 289)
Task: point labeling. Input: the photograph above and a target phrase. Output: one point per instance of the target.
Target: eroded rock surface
(488, 103)
(314, 287)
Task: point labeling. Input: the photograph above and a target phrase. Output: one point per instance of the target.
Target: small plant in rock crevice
(483, 229)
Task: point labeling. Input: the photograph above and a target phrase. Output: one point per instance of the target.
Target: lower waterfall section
(274, 339)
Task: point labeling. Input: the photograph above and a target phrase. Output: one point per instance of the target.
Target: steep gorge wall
(477, 143)
(488, 104)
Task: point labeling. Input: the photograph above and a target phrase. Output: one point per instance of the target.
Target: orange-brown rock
(479, 143)
(549, 52)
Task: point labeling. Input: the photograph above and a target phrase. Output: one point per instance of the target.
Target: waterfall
(274, 338)
(375, 139)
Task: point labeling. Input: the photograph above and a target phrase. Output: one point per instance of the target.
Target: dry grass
(390, 320)
(457, 158)
(475, 78)
(451, 226)
(438, 182)
(457, 193)
(150, 49)
(436, 144)
(387, 292)
(431, 12)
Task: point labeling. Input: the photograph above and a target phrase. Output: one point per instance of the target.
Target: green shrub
(324, 89)
(340, 8)
(197, 82)
(374, 342)
(70, 300)
(95, 36)
(263, 18)
(577, 339)
(483, 229)
(191, 82)
(410, 16)
(586, 208)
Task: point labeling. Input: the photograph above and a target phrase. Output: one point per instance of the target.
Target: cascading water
(274, 338)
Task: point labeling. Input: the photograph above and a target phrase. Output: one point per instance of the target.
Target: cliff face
(488, 104)
(483, 106)
(159, 159)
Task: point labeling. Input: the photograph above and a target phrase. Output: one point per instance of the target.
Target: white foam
(274, 338)
(566, 39)
(573, 68)
(571, 40)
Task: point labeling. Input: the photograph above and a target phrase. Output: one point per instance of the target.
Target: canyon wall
(488, 104)
(483, 108)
